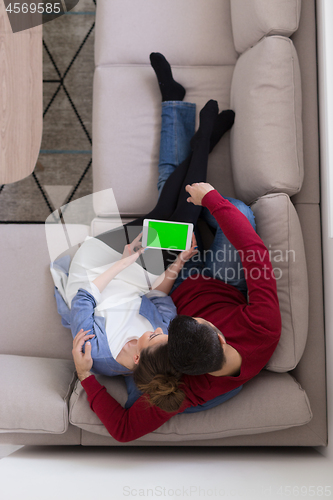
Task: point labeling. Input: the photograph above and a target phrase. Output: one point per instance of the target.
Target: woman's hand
(133, 250)
(197, 191)
(188, 254)
(83, 361)
(130, 255)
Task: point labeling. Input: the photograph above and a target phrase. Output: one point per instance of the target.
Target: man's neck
(232, 365)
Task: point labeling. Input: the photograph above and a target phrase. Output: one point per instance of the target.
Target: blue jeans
(221, 260)
(177, 129)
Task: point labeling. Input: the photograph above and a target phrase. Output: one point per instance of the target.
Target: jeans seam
(175, 133)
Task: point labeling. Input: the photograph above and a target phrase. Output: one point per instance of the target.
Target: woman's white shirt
(119, 303)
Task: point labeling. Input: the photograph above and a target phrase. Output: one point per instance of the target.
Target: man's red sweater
(253, 328)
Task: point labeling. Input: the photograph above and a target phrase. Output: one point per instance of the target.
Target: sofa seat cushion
(279, 227)
(34, 394)
(266, 139)
(126, 132)
(186, 32)
(254, 19)
(269, 402)
(30, 309)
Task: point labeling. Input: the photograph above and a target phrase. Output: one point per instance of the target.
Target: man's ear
(222, 339)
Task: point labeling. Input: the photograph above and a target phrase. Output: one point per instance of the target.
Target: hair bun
(164, 385)
(158, 378)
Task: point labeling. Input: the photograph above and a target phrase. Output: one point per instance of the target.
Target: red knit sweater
(253, 328)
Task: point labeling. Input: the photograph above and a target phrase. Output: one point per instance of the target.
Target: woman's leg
(178, 123)
(172, 204)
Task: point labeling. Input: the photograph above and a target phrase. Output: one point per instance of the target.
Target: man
(250, 328)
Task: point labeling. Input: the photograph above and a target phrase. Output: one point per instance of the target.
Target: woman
(113, 301)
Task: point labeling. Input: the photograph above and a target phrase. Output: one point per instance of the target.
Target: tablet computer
(167, 235)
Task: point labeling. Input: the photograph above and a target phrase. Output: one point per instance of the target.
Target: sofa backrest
(127, 102)
(254, 19)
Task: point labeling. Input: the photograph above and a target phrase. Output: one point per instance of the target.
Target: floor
(63, 170)
(79, 473)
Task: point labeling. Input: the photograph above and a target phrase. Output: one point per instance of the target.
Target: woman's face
(149, 339)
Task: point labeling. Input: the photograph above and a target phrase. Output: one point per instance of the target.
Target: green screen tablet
(167, 235)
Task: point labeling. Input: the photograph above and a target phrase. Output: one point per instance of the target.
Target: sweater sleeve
(124, 425)
(263, 306)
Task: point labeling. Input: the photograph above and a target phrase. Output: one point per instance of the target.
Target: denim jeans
(177, 129)
(221, 260)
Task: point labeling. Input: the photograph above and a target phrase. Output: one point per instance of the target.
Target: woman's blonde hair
(156, 377)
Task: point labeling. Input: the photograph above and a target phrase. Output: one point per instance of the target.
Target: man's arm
(263, 307)
(123, 425)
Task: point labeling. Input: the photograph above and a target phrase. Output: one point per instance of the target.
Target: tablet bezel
(145, 234)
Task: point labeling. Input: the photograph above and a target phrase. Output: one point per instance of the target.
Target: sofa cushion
(30, 323)
(126, 132)
(266, 139)
(34, 394)
(253, 19)
(279, 227)
(271, 401)
(186, 32)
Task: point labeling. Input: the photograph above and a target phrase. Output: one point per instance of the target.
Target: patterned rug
(63, 170)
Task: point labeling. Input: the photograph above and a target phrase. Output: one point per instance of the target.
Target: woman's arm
(104, 279)
(130, 255)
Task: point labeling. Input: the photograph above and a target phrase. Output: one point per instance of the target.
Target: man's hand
(197, 191)
(83, 361)
(188, 254)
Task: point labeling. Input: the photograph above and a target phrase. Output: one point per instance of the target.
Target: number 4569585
(49, 8)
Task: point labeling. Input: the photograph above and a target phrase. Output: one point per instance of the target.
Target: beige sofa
(239, 53)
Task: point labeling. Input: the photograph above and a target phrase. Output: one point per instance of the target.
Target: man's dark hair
(194, 348)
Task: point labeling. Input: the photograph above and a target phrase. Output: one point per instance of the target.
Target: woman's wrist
(180, 262)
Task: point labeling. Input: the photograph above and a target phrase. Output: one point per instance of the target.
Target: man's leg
(177, 129)
(178, 119)
(222, 260)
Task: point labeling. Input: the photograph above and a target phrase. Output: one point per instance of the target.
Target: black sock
(170, 89)
(208, 116)
(223, 122)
